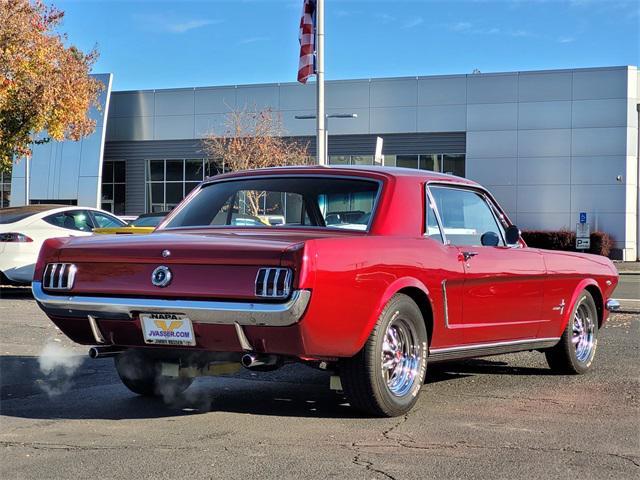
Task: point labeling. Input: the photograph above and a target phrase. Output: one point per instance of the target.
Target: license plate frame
(167, 329)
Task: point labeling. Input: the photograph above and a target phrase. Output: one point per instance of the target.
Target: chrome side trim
(487, 349)
(613, 305)
(199, 311)
(445, 305)
(95, 329)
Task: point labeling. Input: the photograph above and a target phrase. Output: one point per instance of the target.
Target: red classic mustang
(367, 272)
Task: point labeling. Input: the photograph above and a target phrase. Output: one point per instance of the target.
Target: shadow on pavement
(16, 293)
(94, 391)
(485, 367)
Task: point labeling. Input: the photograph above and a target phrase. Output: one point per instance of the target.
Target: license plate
(167, 329)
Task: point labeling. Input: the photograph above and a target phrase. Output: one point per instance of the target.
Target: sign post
(583, 233)
(377, 159)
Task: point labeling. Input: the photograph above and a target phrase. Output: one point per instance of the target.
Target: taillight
(15, 237)
(273, 282)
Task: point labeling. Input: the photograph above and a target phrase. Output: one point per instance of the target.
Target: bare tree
(254, 139)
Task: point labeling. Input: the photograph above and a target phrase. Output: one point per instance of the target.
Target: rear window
(15, 214)
(325, 202)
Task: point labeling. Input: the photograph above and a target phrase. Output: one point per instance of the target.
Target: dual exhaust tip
(251, 361)
(264, 363)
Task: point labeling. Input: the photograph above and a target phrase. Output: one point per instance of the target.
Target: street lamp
(326, 131)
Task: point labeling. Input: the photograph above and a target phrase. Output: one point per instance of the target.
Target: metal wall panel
(544, 87)
(394, 93)
(599, 141)
(600, 83)
(175, 102)
(544, 143)
(347, 94)
(544, 171)
(544, 115)
(492, 144)
(490, 88)
(492, 116)
(67, 170)
(215, 100)
(393, 119)
(258, 97)
(599, 113)
(442, 118)
(442, 90)
(174, 127)
(493, 170)
(133, 104)
(297, 96)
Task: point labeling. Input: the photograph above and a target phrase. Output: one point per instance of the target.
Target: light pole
(325, 158)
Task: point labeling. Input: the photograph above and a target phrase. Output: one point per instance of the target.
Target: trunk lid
(203, 264)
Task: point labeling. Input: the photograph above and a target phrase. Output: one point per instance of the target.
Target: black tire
(364, 379)
(141, 375)
(570, 357)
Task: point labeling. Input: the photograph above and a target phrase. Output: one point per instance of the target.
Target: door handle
(468, 255)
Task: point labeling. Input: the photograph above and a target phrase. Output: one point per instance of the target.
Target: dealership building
(549, 144)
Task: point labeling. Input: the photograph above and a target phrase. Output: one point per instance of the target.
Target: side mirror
(490, 239)
(512, 235)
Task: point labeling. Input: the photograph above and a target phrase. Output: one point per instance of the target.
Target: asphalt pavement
(628, 292)
(66, 416)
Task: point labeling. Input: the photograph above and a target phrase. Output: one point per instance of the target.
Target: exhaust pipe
(264, 363)
(103, 352)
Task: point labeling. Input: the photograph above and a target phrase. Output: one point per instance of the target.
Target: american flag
(306, 66)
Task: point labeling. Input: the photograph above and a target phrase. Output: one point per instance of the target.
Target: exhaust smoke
(58, 365)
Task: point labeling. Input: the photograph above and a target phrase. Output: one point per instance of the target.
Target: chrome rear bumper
(199, 311)
(613, 305)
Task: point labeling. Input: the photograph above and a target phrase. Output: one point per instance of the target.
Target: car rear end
(19, 243)
(147, 292)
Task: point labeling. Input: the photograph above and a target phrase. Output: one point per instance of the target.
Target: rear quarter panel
(568, 273)
(353, 280)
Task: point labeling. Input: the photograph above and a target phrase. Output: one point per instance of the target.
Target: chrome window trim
(482, 192)
(206, 183)
(430, 202)
(199, 311)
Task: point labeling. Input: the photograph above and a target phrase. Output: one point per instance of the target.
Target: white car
(23, 230)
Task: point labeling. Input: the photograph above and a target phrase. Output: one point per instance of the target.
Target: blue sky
(160, 44)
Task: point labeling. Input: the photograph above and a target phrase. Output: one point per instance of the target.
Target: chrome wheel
(584, 328)
(401, 357)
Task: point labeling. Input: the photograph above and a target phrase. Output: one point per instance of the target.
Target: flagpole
(321, 139)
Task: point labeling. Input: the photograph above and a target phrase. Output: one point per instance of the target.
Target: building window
(5, 189)
(113, 187)
(169, 181)
(452, 163)
(350, 159)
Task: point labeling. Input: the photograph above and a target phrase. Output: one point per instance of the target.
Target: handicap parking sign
(583, 217)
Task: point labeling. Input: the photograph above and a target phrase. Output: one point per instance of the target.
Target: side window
(432, 229)
(465, 216)
(106, 221)
(71, 220)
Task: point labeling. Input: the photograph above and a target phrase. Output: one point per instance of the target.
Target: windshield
(150, 221)
(328, 202)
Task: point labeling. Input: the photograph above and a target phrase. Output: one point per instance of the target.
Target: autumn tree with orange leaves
(255, 139)
(44, 83)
